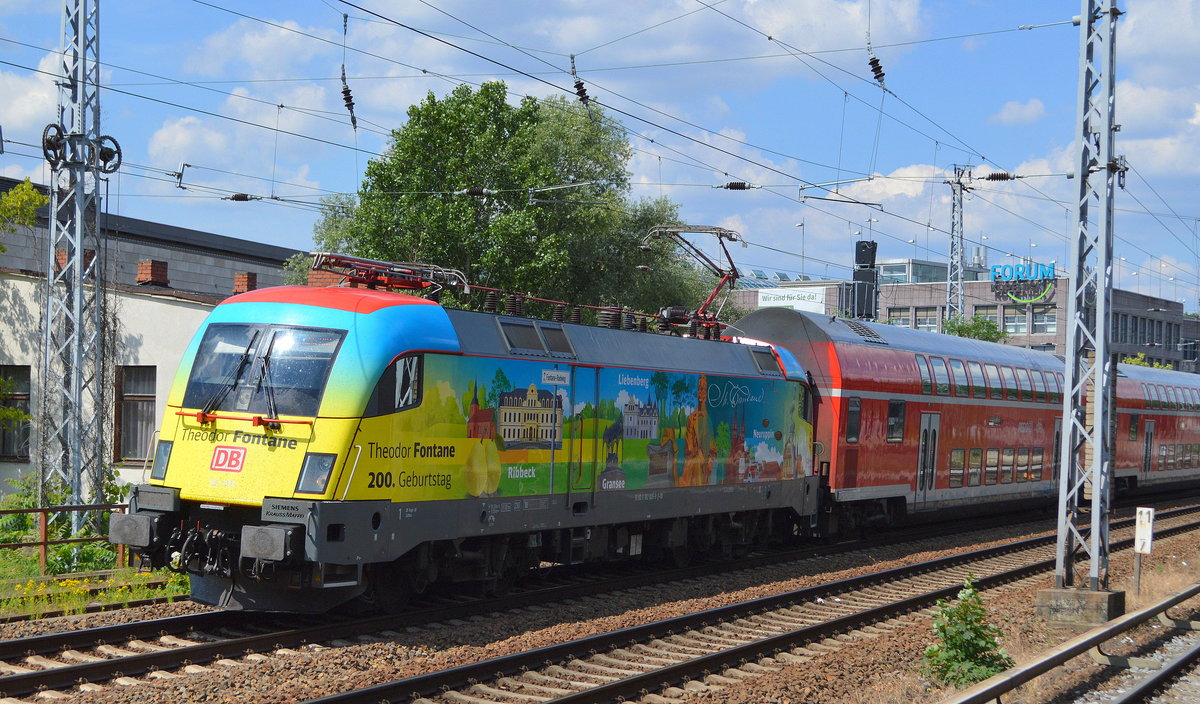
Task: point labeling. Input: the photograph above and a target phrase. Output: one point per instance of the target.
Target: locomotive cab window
(895, 421)
(959, 370)
(274, 370)
(399, 387)
(853, 418)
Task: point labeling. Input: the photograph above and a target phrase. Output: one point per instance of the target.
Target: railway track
(155, 648)
(152, 648)
(659, 662)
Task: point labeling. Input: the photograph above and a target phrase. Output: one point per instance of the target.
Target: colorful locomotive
(323, 444)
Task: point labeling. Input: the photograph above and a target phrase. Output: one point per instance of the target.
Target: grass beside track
(70, 594)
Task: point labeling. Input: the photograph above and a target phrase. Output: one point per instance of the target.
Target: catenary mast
(72, 399)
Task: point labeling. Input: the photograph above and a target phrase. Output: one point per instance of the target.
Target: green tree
(1139, 360)
(576, 243)
(18, 208)
(976, 328)
(332, 233)
(968, 650)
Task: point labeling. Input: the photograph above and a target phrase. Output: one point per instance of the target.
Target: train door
(1057, 465)
(1148, 450)
(927, 459)
(582, 443)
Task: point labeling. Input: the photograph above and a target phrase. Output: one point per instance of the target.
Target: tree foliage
(976, 328)
(1140, 360)
(18, 208)
(968, 650)
(556, 221)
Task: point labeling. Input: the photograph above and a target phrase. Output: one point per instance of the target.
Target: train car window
(557, 340)
(993, 375)
(1053, 387)
(975, 466)
(1036, 462)
(1024, 384)
(1146, 393)
(991, 468)
(1134, 420)
(1039, 385)
(1170, 450)
(895, 421)
(1172, 399)
(978, 382)
(1192, 396)
(1163, 400)
(1189, 395)
(1152, 395)
(522, 337)
(853, 418)
(941, 375)
(1010, 383)
(1062, 383)
(1162, 457)
(958, 460)
(399, 388)
(765, 359)
(961, 384)
(1006, 465)
(1023, 464)
(926, 378)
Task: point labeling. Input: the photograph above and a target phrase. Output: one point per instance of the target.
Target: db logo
(228, 459)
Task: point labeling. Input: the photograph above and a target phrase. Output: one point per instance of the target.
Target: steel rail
(431, 684)
(991, 689)
(1161, 679)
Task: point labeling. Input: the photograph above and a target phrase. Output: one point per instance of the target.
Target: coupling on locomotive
(328, 445)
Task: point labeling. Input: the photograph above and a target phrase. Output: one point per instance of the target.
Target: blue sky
(772, 92)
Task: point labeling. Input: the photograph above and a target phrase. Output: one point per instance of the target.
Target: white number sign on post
(1143, 540)
(1143, 532)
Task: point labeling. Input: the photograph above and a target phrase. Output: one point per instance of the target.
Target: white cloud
(1015, 112)
(38, 96)
(261, 51)
(187, 137)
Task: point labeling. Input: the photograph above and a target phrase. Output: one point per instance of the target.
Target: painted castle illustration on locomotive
(485, 427)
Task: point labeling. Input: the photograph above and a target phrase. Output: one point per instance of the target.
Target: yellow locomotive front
(257, 441)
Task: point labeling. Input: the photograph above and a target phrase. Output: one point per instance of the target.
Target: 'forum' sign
(1023, 283)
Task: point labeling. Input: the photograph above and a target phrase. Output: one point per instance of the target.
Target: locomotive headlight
(162, 455)
(315, 474)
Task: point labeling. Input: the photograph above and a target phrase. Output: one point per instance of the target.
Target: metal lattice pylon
(954, 270)
(73, 409)
(1086, 448)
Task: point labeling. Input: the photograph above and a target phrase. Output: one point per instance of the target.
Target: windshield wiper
(232, 378)
(263, 372)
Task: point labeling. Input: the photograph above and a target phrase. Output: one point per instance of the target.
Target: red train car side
(912, 424)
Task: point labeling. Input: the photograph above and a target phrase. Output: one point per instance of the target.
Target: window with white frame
(987, 313)
(135, 416)
(901, 317)
(1015, 320)
(927, 318)
(1045, 319)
